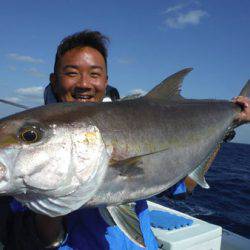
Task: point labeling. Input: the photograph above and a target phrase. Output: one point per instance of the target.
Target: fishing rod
(14, 104)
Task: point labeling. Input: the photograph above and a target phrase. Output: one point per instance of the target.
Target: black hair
(93, 39)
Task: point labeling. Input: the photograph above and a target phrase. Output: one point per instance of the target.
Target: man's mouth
(81, 97)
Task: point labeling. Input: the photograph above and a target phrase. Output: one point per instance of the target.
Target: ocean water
(227, 202)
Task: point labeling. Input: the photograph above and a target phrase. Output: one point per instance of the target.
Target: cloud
(13, 99)
(184, 14)
(24, 58)
(175, 8)
(137, 92)
(35, 72)
(30, 96)
(181, 20)
(12, 68)
(32, 92)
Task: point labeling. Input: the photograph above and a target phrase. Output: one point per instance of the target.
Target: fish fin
(14, 104)
(106, 216)
(131, 166)
(198, 175)
(246, 90)
(128, 167)
(170, 88)
(126, 219)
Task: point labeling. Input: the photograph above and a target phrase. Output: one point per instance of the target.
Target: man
(80, 75)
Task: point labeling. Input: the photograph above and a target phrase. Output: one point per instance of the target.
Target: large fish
(60, 157)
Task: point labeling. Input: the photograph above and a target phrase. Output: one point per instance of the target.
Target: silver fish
(60, 157)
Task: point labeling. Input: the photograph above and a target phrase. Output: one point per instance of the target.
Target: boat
(195, 235)
(188, 233)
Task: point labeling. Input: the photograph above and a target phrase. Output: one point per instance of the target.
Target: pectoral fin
(128, 167)
(126, 219)
(131, 166)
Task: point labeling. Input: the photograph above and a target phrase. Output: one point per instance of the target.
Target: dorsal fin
(170, 88)
(246, 90)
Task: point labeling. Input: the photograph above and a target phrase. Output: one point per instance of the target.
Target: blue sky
(149, 40)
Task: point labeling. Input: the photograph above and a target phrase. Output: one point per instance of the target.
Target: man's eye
(71, 73)
(95, 74)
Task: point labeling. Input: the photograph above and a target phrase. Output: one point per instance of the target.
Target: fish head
(47, 161)
(21, 141)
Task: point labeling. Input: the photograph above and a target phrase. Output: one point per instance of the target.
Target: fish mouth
(2, 171)
(3, 179)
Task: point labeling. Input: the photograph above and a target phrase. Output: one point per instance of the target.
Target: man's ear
(107, 81)
(52, 79)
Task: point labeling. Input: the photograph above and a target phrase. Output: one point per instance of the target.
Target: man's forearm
(50, 231)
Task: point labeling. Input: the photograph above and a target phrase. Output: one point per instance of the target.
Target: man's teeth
(84, 97)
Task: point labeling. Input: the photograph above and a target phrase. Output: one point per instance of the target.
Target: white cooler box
(198, 236)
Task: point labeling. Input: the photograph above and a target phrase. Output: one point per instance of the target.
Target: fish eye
(30, 134)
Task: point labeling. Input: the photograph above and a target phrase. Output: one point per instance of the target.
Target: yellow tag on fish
(90, 137)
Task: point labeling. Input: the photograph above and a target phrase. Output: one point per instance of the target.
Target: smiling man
(80, 75)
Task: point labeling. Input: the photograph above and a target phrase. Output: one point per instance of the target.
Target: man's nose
(84, 81)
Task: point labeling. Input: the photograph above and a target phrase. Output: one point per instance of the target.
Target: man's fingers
(242, 100)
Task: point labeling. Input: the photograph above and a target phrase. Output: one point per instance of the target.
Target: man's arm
(50, 231)
(22, 229)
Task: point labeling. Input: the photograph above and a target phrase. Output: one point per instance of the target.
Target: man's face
(81, 76)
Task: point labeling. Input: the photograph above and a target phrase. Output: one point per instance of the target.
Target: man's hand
(244, 102)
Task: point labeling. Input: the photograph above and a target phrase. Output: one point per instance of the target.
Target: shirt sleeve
(17, 229)
(178, 191)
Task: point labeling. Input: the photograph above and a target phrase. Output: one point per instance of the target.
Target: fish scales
(181, 137)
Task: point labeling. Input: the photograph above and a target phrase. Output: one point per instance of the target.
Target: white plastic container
(199, 236)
